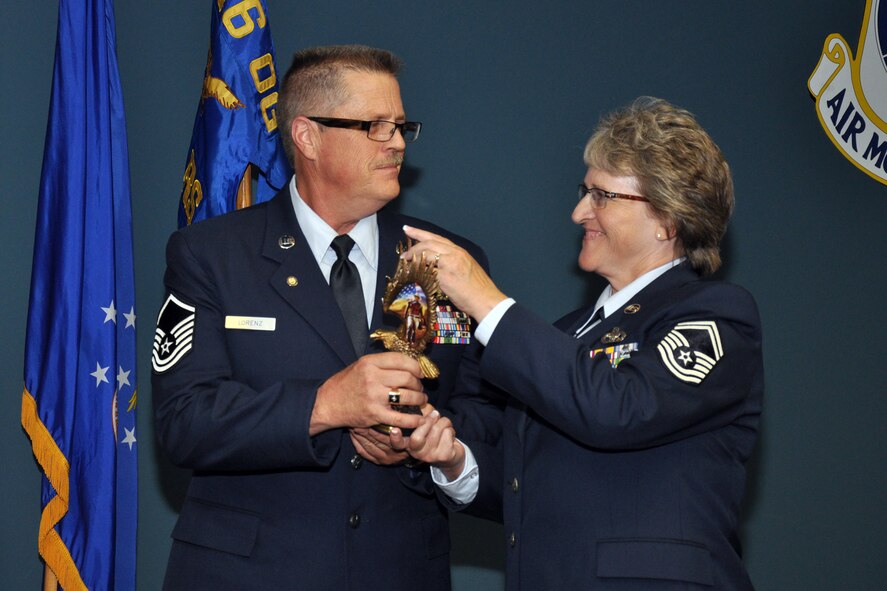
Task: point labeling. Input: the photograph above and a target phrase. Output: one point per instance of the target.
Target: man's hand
(360, 394)
(376, 447)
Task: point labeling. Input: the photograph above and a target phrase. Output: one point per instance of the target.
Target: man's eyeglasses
(599, 197)
(378, 131)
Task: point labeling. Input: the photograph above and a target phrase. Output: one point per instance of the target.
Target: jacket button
(515, 486)
(354, 520)
(512, 540)
(356, 461)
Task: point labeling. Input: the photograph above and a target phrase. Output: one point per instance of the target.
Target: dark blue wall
(509, 92)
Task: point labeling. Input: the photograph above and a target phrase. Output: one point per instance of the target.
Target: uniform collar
(612, 301)
(319, 234)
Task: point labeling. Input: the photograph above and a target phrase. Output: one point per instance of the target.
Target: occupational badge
(411, 295)
(691, 350)
(614, 335)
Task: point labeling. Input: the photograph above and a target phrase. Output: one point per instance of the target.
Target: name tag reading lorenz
(250, 323)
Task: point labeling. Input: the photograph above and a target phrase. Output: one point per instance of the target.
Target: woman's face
(623, 240)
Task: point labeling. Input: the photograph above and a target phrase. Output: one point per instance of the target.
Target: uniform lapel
(390, 233)
(646, 301)
(310, 296)
(579, 322)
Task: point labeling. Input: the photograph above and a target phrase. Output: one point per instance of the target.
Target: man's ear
(305, 137)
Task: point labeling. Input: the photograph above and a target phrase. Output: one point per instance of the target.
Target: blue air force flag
(236, 122)
(79, 399)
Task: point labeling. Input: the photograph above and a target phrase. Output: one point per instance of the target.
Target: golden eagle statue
(403, 297)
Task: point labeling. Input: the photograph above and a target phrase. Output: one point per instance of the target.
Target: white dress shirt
(319, 235)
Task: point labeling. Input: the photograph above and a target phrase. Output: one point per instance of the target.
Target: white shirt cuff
(484, 330)
(464, 488)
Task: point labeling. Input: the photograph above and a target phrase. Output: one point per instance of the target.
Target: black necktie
(345, 283)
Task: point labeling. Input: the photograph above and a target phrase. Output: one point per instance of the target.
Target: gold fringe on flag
(55, 465)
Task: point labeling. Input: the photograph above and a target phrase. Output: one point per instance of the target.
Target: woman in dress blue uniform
(629, 422)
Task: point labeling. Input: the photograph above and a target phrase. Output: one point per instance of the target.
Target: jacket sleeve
(642, 402)
(204, 419)
(477, 411)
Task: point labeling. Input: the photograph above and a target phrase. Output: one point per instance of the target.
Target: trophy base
(410, 410)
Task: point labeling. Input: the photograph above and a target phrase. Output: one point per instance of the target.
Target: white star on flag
(130, 318)
(99, 374)
(122, 378)
(110, 313)
(130, 437)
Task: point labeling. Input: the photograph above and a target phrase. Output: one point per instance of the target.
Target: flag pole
(50, 583)
(245, 189)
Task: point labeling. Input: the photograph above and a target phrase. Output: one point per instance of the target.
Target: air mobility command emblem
(851, 93)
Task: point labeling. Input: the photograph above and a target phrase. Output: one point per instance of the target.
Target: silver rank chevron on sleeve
(172, 339)
(691, 350)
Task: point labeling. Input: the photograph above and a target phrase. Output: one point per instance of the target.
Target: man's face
(360, 173)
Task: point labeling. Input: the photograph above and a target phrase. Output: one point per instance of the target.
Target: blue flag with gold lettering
(236, 122)
(79, 399)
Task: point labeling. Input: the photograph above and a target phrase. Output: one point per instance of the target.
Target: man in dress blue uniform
(264, 383)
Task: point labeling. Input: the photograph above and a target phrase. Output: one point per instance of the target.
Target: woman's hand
(461, 278)
(433, 442)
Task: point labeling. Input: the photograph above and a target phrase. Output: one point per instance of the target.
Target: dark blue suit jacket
(628, 477)
(268, 506)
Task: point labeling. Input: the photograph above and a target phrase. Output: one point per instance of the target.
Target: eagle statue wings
(412, 295)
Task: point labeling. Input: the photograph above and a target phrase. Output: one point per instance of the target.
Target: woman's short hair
(679, 169)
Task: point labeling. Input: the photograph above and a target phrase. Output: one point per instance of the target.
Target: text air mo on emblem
(851, 93)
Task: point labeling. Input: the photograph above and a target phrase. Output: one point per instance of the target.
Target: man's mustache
(395, 161)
